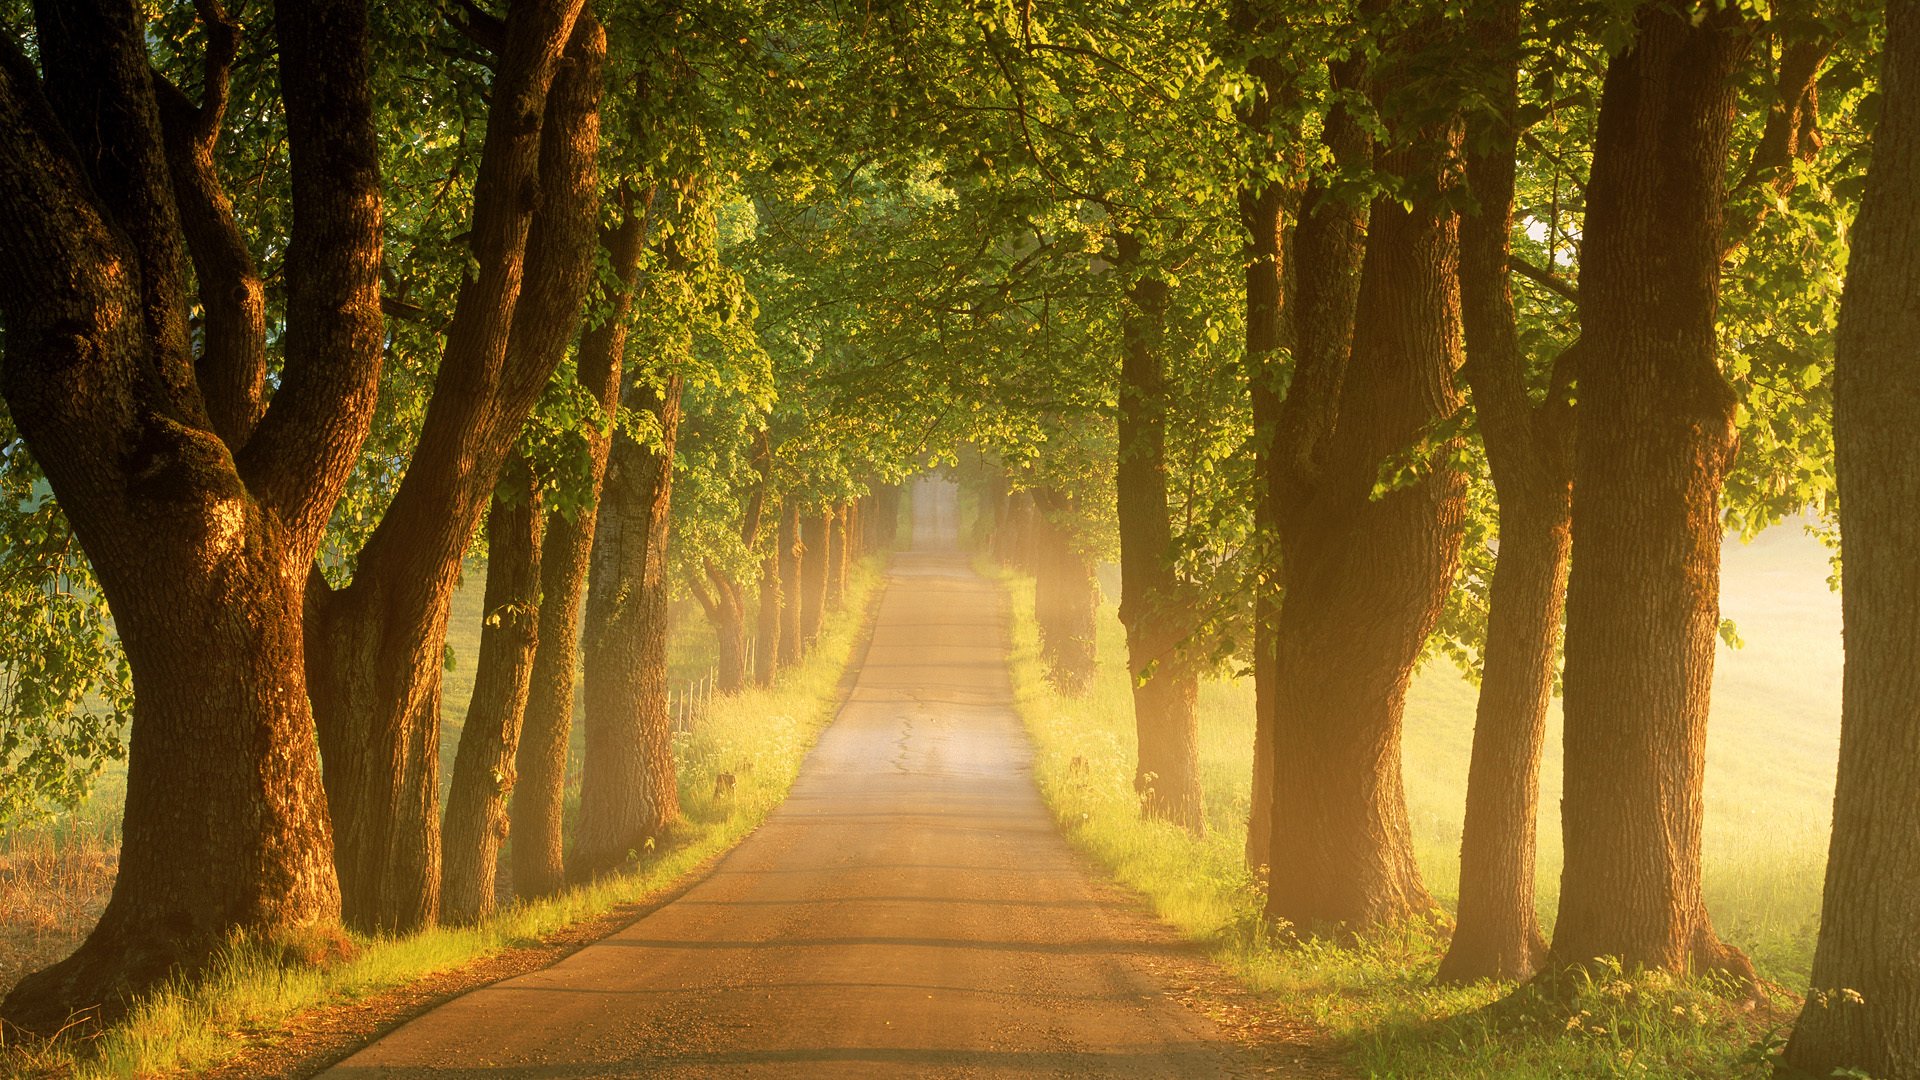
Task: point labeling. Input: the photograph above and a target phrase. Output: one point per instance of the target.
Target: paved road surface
(911, 910)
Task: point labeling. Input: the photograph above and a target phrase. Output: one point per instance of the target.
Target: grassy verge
(1376, 996)
(249, 996)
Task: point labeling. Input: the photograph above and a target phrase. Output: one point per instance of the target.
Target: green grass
(1769, 789)
(761, 736)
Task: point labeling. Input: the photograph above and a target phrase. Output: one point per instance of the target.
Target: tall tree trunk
(1066, 595)
(766, 638)
(724, 602)
(539, 791)
(1654, 440)
(836, 516)
(375, 649)
(814, 528)
(1262, 213)
(1327, 253)
(1154, 606)
(1530, 450)
(793, 645)
(1365, 577)
(629, 789)
(476, 813)
(1870, 927)
(201, 551)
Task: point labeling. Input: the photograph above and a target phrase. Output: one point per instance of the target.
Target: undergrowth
(252, 994)
(1376, 996)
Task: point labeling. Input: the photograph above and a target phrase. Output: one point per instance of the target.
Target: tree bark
(1530, 451)
(1655, 438)
(814, 558)
(1870, 927)
(476, 813)
(202, 553)
(539, 793)
(793, 644)
(629, 789)
(375, 648)
(1154, 605)
(724, 602)
(1365, 577)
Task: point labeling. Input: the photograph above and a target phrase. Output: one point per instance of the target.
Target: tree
(540, 763)
(1655, 438)
(1368, 551)
(476, 811)
(1861, 1012)
(629, 792)
(1529, 449)
(376, 647)
(199, 509)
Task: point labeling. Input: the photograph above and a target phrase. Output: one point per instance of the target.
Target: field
(1769, 787)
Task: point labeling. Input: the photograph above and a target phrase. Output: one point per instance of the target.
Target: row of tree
(309, 306)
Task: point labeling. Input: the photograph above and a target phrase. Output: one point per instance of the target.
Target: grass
(1769, 789)
(250, 995)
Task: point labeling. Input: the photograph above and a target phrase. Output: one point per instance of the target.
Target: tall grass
(1377, 995)
(250, 994)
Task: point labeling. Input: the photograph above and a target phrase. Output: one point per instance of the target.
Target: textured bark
(376, 647)
(476, 813)
(1870, 926)
(1530, 450)
(815, 525)
(539, 792)
(1655, 437)
(1066, 595)
(787, 548)
(202, 556)
(629, 790)
(1365, 577)
(1154, 605)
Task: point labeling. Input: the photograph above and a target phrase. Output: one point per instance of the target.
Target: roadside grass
(1769, 792)
(251, 993)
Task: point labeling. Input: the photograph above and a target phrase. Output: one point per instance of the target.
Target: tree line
(1358, 332)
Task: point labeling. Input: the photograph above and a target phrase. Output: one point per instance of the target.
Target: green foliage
(66, 694)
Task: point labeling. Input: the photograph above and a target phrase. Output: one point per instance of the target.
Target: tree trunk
(629, 789)
(1365, 577)
(724, 602)
(1870, 927)
(1654, 440)
(766, 641)
(202, 553)
(1530, 451)
(1262, 212)
(1066, 595)
(476, 813)
(1153, 603)
(540, 781)
(836, 519)
(793, 645)
(814, 528)
(376, 649)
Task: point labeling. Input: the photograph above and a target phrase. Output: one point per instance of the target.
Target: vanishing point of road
(910, 910)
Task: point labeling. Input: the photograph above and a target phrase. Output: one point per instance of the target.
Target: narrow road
(911, 910)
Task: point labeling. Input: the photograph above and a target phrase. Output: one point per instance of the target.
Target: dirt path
(911, 910)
